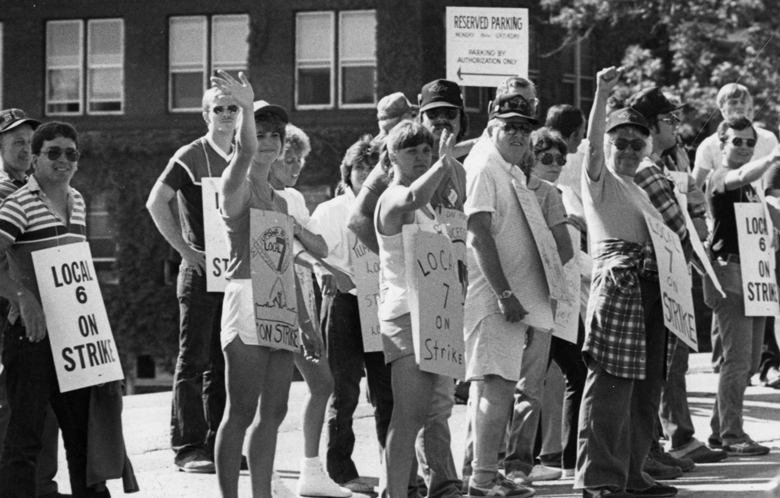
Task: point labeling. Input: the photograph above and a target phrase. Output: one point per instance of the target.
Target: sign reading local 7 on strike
(457, 228)
(217, 253)
(486, 45)
(757, 258)
(365, 265)
(82, 344)
(273, 279)
(435, 302)
(675, 282)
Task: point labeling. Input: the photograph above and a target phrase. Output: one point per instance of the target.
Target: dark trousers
(31, 384)
(199, 378)
(347, 361)
(770, 354)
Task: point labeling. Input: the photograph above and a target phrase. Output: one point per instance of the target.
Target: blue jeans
(741, 338)
(199, 378)
(674, 413)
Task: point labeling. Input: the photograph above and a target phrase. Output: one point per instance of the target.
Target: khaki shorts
(495, 347)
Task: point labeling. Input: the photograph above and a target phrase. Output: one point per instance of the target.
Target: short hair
(565, 119)
(738, 123)
(50, 131)
(208, 96)
(405, 134)
(273, 123)
(733, 91)
(545, 139)
(296, 140)
(366, 149)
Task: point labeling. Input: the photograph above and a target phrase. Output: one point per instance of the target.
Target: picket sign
(567, 314)
(435, 304)
(82, 344)
(456, 223)
(675, 282)
(757, 260)
(273, 279)
(306, 281)
(217, 253)
(365, 266)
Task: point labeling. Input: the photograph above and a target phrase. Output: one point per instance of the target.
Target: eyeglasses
(448, 113)
(749, 142)
(548, 158)
(512, 128)
(220, 109)
(672, 120)
(622, 143)
(54, 153)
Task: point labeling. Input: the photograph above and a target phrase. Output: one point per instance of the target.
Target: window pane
(63, 85)
(314, 37)
(63, 44)
(314, 86)
(358, 85)
(357, 35)
(105, 84)
(471, 97)
(188, 41)
(229, 40)
(105, 42)
(187, 90)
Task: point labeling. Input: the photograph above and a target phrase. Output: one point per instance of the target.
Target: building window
(579, 72)
(100, 235)
(199, 45)
(65, 67)
(322, 78)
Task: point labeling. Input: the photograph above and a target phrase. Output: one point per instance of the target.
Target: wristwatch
(506, 294)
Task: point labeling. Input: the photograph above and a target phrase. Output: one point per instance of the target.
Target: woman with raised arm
(257, 377)
(626, 342)
(408, 152)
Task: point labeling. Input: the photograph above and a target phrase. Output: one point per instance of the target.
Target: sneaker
(699, 453)
(686, 464)
(745, 448)
(359, 485)
(771, 378)
(279, 489)
(315, 482)
(714, 443)
(543, 473)
(519, 477)
(657, 490)
(196, 463)
(500, 486)
(605, 493)
(659, 471)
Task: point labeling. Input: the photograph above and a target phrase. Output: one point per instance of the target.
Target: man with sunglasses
(198, 384)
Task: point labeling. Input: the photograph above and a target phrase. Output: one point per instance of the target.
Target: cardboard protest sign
(273, 280)
(457, 228)
(675, 282)
(217, 253)
(757, 260)
(82, 344)
(434, 302)
(567, 314)
(365, 265)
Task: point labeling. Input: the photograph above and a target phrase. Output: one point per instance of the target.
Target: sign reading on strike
(567, 314)
(82, 344)
(435, 302)
(217, 253)
(365, 265)
(757, 260)
(486, 45)
(675, 282)
(273, 279)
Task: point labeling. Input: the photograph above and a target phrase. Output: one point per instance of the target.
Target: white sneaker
(315, 482)
(279, 489)
(519, 477)
(542, 473)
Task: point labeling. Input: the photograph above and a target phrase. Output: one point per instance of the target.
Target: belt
(729, 258)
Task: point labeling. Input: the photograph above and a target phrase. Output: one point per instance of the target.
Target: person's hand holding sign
(313, 346)
(32, 316)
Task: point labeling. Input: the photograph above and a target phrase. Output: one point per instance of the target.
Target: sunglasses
(220, 109)
(622, 143)
(672, 120)
(448, 113)
(548, 158)
(512, 128)
(54, 153)
(749, 142)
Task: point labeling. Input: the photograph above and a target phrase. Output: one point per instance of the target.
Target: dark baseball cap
(262, 106)
(513, 105)
(651, 102)
(11, 118)
(440, 93)
(625, 117)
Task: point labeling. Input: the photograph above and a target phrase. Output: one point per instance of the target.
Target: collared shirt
(489, 189)
(28, 224)
(330, 218)
(650, 178)
(9, 185)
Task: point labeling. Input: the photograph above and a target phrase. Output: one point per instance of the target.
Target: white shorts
(495, 347)
(238, 319)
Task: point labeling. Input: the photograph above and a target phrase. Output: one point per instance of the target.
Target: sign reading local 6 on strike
(82, 344)
(217, 253)
(486, 45)
(757, 258)
(365, 265)
(435, 302)
(273, 279)
(675, 282)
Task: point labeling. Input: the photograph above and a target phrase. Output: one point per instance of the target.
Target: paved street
(146, 419)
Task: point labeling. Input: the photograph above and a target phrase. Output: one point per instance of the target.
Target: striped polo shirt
(27, 224)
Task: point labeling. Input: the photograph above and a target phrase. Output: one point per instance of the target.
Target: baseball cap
(11, 118)
(512, 105)
(393, 106)
(440, 93)
(624, 117)
(651, 102)
(263, 106)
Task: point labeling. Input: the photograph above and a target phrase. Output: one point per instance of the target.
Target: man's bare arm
(159, 206)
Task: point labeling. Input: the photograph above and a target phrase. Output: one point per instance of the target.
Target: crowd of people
(624, 371)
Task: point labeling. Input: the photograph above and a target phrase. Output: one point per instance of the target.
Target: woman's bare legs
(320, 382)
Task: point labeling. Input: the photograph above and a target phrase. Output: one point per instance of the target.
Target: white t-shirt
(708, 155)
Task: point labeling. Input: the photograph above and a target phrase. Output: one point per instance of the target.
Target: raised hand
(241, 91)
(447, 144)
(607, 78)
